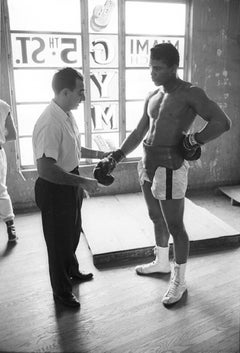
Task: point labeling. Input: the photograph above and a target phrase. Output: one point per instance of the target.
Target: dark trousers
(60, 207)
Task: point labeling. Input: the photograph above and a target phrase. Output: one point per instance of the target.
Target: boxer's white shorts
(167, 184)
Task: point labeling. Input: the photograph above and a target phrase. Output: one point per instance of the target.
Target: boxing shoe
(68, 300)
(177, 285)
(11, 231)
(161, 263)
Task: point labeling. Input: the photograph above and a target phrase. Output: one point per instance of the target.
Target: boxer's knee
(176, 228)
(156, 216)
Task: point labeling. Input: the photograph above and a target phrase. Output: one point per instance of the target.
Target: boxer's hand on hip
(191, 149)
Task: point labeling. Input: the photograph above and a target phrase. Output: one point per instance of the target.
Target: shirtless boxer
(167, 117)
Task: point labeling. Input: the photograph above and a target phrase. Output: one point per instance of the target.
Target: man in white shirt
(59, 188)
(7, 133)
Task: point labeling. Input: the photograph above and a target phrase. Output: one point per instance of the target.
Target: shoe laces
(11, 230)
(150, 264)
(173, 287)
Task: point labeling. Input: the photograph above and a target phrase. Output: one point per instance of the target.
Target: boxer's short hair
(166, 52)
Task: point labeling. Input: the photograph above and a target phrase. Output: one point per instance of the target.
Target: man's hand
(106, 154)
(103, 169)
(90, 185)
(191, 149)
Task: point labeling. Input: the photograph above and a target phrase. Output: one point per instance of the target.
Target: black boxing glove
(101, 175)
(103, 169)
(191, 148)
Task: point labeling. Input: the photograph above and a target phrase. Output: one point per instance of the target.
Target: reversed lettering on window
(104, 117)
(138, 49)
(46, 50)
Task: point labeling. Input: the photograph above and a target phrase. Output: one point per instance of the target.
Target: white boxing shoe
(161, 263)
(177, 286)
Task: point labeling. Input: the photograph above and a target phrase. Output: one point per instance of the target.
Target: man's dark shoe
(68, 300)
(11, 231)
(82, 277)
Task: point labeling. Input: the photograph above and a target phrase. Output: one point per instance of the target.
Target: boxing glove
(191, 149)
(101, 174)
(103, 169)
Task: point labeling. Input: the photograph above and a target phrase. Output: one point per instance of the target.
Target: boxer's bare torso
(170, 115)
(170, 111)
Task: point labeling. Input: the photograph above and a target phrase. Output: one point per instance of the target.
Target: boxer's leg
(174, 211)
(156, 215)
(161, 263)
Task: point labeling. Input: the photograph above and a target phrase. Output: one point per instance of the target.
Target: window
(108, 41)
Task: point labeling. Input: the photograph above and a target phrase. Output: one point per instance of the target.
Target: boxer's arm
(107, 165)
(130, 143)
(217, 121)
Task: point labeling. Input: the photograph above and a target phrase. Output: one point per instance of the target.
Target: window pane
(138, 152)
(26, 151)
(104, 85)
(103, 51)
(33, 85)
(103, 16)
(155, 17)
(27, 116)
(105, 142)
(45, 15)
(138, 84)
(180, 73)
(79, 117)
(134, 112)
(104, 117)
(83, 142)
(46, 50)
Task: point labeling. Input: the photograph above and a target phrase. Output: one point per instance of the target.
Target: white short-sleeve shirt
(4, 110)
(57, 136)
